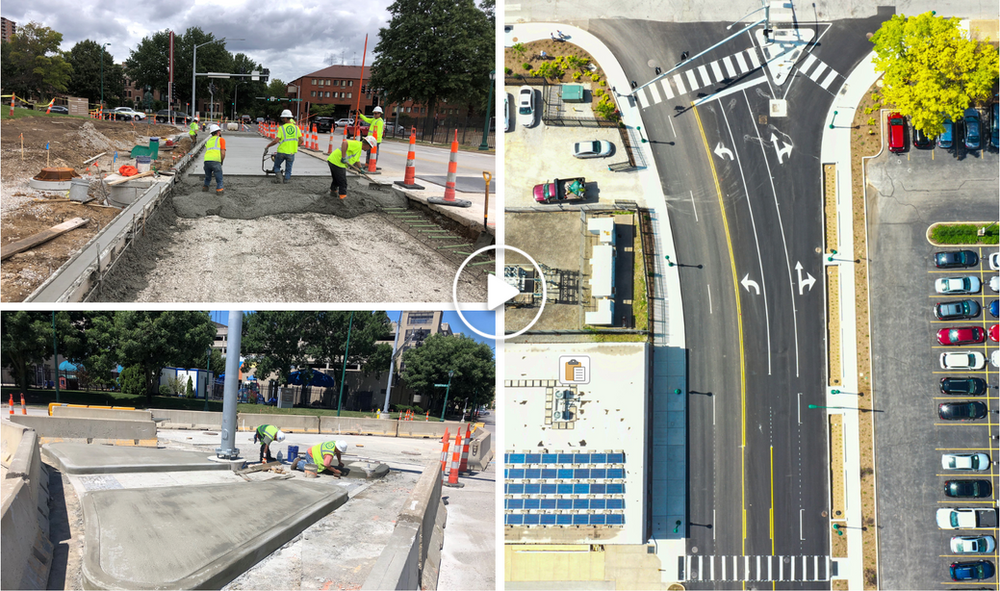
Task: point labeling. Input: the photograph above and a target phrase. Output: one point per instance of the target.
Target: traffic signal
(363, 89)
(264, 74)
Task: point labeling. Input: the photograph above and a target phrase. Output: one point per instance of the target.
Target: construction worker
(376, 127)
(346, 155)
(323, 454)
(193, 131)
(215, 155)
(266, 434)
(288, 138)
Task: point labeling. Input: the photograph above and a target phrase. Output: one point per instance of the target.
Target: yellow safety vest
(213, 153)
(194, 127)
(317, 451)
(377, 127)
(353, 154)
(289, 135)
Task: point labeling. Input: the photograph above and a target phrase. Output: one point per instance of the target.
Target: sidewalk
(836, 149)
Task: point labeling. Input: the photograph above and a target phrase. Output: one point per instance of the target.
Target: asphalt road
(757, 455)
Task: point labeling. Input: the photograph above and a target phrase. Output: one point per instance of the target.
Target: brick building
(7, 29)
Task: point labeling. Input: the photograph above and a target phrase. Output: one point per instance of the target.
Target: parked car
(324, 124)
(995, 283)
(957, 285)
(955, 258)
(994, 308)
(973, 130)
(977, 462)
(128, 114)
(344, 122)
(164, 117)
(507, 123)
(994, 332)
(964, 360)
(995, 125)
(920, 139)
(968, 410)
(945, 140)
(592, 149)
(59, 109)
(995, 358)
(897, 127)
(972, 571)
(526, 106)
(961, 335)
(957, 310)
(975, 489)
(970, 386)
(973, 544)
(995, 261)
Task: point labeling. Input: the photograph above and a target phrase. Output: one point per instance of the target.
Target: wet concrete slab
(80, 458)
(194, 537)
(245, 157)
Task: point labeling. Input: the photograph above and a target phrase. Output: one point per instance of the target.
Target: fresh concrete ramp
(194, 537)
(80, 458)
(365, 470)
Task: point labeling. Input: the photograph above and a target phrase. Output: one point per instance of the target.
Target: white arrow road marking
(747, 282)
(807, 282)
(720, 150)
(782, 152)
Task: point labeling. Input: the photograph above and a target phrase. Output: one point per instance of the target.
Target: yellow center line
(739, 324)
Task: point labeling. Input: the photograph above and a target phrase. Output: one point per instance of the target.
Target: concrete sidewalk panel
(79, 458)
(90, 429)
(194, 537)
(287, 423)
(187, 419)
(351, 426)
(75, 412)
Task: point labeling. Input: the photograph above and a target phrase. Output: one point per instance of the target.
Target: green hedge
(965, 234)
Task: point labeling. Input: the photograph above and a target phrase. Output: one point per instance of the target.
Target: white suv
(128, 114)
(963, 360)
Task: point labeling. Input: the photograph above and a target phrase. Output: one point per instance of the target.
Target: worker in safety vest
(346, 155)
(288, 138)
(266, 434)
(215, 155)
(193, 130)
(323, 454)
(376, 127)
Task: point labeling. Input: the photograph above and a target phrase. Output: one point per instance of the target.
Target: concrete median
(357, 426)
(187, 419)
(287, 423)
(428, 429)
(112, 431)
(76, 412)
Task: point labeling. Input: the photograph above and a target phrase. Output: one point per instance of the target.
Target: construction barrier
(464, 467)
(444, 452)
(11, 404)
(24, 409)
(27, 551)
(315, 139)
(329, 148)
(409, 176)
(117, 432)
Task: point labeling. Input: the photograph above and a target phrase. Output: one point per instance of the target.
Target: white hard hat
(280, 436)
(196, 119)
(371, 140)
(214, 128)
(341, 446)
(377, 110)
(286, 113)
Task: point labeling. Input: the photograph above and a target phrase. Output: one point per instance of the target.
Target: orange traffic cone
(11, 405)
(24, 409)
(464, 467)
(456, 460)
(449, 186)
(373, 160)
(411, 171)
(427, 416)
(444, 445)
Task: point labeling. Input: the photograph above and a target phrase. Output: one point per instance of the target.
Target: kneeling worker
(266, 434)
(346, 155)
(323, 454)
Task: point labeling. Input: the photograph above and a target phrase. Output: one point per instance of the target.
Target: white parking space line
(729, 67)
(679, 83)
(641, 97)
(666, 89)
(753, 57)
(807, 64)
(655, 93)
(817, 72)
(829, 78)
(717, 71)
(703, 72)
(692, 80)
(741, 63)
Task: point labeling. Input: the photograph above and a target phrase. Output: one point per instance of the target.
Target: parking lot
(908, 192)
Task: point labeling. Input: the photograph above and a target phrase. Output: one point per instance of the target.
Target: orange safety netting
(128, 170)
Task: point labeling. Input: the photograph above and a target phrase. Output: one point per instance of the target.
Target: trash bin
(154, 148)
(142, 163)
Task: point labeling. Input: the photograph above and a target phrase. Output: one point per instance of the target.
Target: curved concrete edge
(230, 563)
(24, 529)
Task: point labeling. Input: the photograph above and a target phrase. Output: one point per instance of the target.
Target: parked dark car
(955, 258)
(968, 410)
(995, 125)
(995, 308)
(973, 130)
(957, 310)
(975, 489)
(972, 571)
(324, 124)
(164, 117)
(920, 139)
(963, 386)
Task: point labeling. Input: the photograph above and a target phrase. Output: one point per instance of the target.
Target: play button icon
(498, 292)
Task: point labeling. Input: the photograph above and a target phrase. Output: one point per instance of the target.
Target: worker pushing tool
(323, 454)
(215, 155)
(267, 434)
(348, 154)
(376, 127)
(288, 138)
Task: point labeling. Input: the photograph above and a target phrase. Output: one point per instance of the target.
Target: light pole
(814, 406)
(447, 389)
(489, 103)
(102, 73)
(194, 69)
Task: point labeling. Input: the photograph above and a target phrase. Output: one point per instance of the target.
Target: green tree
(272, 342)
(147, 64)
(433, 50)
(326, 338)
(85, 58)
(931, 69)
(36, 67)
(131, 380)
(26, 340)
(473, 363)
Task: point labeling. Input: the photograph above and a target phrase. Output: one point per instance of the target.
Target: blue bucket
(293, 452)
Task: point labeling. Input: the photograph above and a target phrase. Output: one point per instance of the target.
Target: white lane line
(711, 567)
(713, 414)
(817, 72)
(815, 568)
(701, 569)
(693, 206)
(666, 89)
(723, 558)
(746, 568)
(827, 569)
(679, 83)
(784, 245)
(655, 93)
(807, 64)
(717, 71)
(692, 81)
(709, 288)
(729, 67)
(713, 538)
(641, 97)
(791, 576)
(741, 63)
(781, 570)
(770, 567)
(670, 120)
(732, 89)
(829, 78)
(703, 72)
(752, 54)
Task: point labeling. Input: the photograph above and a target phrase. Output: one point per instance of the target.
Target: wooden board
(24, 244)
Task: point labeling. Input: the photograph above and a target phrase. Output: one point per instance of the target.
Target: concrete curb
(24, 531)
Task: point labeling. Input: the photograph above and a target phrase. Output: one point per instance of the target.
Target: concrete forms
(24, 530)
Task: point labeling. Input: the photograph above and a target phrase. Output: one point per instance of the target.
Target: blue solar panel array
(548, 490)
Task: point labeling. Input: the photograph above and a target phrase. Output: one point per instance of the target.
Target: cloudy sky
(291, 38)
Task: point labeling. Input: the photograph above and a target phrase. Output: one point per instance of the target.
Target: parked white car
(973, 544)
(131, 114)
(957, 285)
(995, 283)
(995, 261)
(526, 106)
(592, 149)
(976, 462)
(995, 358)
(963, 360)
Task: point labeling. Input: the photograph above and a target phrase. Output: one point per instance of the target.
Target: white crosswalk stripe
(692, 81)
(741, 63)
(817, 71)
(759, 568)
(679, 84)
(641, 97)
(703, 72)
(696, 77)
(717, 71)
(666, 89)
(807, 64)
(729, 67)
(829, 78)
(655, 93)
(752, 53)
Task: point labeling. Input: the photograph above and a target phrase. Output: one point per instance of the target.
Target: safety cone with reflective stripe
(449, 186)
(373, 160)
(411, 171)
(24, 409)
(464, 467)
(444, 443)
(329, 148)
(11, 404)
(456, 460)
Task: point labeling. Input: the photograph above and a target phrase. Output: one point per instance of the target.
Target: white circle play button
(499, 292)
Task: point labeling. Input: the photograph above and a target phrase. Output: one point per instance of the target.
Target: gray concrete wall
(93, 430)
(24, 531)
(187, 419)
(76, 412)
(287, 423)
(353, 425)
(429, 429)
(398, 567)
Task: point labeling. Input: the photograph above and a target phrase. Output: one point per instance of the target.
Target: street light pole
(343, 372)
(446, 390)
(194, 70)
(102, 73)
(489, 103)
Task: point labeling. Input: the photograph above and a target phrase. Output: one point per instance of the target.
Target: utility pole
(228, 449)
(343, 372)
(392, 365)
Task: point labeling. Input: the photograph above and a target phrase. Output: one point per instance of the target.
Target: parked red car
(897, 129)
(961, 335)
